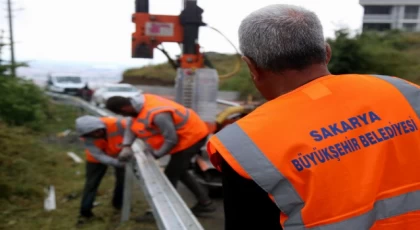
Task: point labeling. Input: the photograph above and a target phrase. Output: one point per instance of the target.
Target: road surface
(213, 221)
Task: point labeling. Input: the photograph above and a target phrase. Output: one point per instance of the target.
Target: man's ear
(252, 68)
(329, 53)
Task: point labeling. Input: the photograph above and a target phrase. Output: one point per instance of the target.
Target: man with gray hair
(325, 151)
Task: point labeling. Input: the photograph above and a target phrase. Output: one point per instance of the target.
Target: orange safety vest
(341, 152)
(189, 126)
(115, 135)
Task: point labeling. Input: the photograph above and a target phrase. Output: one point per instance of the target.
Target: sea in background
(95, 74)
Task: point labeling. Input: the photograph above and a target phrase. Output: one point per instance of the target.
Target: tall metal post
(185, 2)
(191, 20)
(196, 89)
(1, 45)
(128, 190)
(142, 6)
(12, 44)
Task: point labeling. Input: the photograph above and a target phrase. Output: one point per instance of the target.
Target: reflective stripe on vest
(287, 199)
(410, 92)
(156, 131)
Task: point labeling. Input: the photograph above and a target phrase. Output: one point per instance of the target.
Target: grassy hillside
(31, 161)
(164, 74)
(33, 156)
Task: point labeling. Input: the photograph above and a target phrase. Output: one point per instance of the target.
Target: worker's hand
(148, 151)
(126, 154)
(120, 164)
(152, 152)
(157, 155)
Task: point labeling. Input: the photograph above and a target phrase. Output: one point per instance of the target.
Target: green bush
(22, 103)
(242, 83)
(390, 53)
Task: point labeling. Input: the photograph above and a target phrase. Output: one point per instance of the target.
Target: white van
(101, 95)
(65, 83)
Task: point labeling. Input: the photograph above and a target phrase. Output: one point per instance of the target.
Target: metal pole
(128, 188)
(1, 45)
(142, 6)
(191, 20)
(12, 44)
(185, 2)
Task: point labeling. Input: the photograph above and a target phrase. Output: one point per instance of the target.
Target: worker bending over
(325, 151)
(168, 128)
(103, 138)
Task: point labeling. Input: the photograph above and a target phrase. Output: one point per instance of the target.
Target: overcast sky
(100, 30)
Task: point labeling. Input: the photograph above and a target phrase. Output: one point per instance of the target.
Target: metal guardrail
(169, 209)
(230, 103)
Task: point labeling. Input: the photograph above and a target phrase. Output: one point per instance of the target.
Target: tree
(348, 55)
(388, 53)
(22, 103)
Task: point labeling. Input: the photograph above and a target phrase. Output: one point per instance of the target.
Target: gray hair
(281, 37)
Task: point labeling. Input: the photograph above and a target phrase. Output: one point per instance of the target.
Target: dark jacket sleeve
(247, 206)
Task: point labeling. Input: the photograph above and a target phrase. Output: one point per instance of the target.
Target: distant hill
(164, 74)
(95, 73)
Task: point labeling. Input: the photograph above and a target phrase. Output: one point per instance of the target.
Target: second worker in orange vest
(168, 128)
(325, 152)
(102, 137)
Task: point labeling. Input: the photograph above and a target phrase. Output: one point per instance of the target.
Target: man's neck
(294, 79)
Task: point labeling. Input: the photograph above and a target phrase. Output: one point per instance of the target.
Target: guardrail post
(128, 189)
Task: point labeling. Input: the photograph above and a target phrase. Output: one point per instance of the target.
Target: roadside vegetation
(33, 156)
(390, 53)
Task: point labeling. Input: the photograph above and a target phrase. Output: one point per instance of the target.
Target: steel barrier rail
(230, 103)
(169, 209)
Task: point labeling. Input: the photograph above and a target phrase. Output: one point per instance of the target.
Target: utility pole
(12, 44)
(1, 45)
